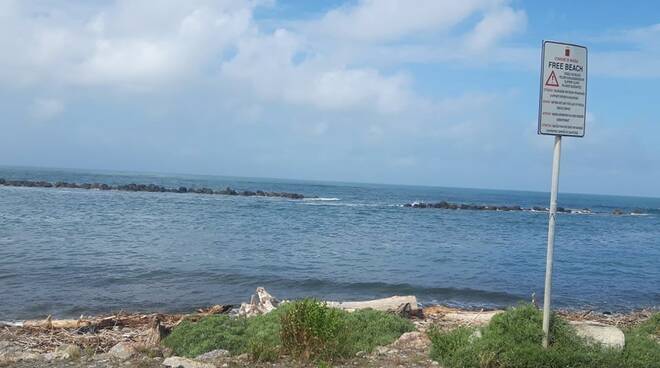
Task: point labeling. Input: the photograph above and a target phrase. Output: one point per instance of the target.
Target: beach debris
(97, 334)
(180, 362)
(608, 336)
(259, 304)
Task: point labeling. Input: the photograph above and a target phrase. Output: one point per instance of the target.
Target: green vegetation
(513, 340)
(305, 329)
(312, 330)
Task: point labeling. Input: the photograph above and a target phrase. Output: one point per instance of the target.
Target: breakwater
(479, 207)
(132, 187)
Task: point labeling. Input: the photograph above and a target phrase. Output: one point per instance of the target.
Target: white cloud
(495, 26)
(638, 58)
(124, 44)
(44, 109)
(384, 20)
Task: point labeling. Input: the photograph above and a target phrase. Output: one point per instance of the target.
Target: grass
(513, 340)
(306, 329)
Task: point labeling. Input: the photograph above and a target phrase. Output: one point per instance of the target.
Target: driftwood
(118, 320)
(156, 333)
(400, 304)
(261, 303)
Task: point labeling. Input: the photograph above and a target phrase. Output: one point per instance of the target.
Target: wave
(322, 199)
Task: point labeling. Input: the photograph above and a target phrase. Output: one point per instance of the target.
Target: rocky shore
(132, 187)
(124, 339)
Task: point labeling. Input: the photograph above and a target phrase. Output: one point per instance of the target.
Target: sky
(426, 92)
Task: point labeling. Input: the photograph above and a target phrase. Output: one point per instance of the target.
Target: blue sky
(427, 92)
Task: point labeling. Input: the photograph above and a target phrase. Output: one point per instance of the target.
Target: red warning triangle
(552, 80)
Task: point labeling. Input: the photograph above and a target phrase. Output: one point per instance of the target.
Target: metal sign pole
(551, 240)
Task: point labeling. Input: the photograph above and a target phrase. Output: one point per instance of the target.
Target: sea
(67, 252)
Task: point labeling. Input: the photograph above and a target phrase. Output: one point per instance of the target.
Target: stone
(179, 362)
(63, 352)
(213, 354)
(608, 336)
(382, 350)
(122, 351)
(69, 351)
(412, 340)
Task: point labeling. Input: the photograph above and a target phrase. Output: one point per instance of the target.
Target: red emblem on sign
(552, 80)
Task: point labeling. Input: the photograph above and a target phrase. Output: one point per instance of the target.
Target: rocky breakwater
(479, 207)
(132, 187)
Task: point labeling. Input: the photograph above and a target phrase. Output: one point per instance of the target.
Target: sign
(563, 98)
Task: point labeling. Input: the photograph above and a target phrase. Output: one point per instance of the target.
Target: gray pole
(551, 240)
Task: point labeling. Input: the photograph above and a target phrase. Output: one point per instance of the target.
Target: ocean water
(67, 252)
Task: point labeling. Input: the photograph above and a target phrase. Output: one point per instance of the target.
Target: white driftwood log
(261, 303)
(391, 304)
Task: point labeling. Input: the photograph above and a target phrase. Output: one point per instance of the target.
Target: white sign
(563, 100)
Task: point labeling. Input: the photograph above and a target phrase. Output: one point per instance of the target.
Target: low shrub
(306, 329)
(513, 340)
(311, 330)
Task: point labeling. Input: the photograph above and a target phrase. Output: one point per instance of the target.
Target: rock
(360, 354)
(381, 350)
(617, 212)
(608, 336)
(10, 353)
(412, 340)
(69, 351)
(167, 352)
(122, 351)
(213, 354)
(476, 335)
(179, 362)
(63, 352)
